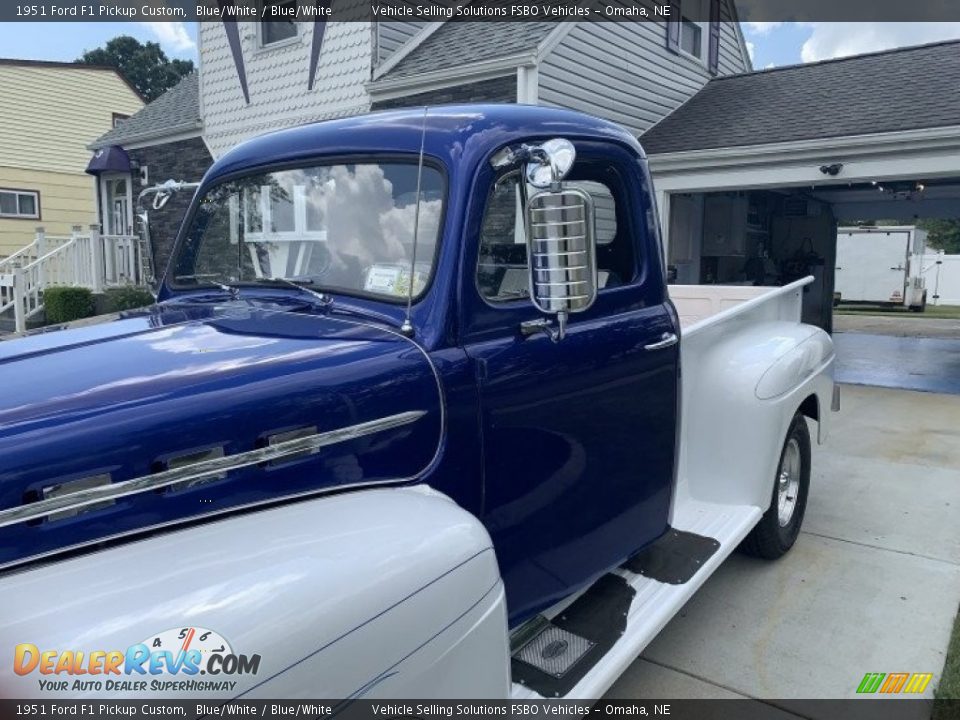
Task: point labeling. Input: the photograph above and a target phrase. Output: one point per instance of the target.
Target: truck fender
(372, 593)
(742, 390)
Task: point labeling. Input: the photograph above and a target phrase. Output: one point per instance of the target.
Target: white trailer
(881, 265)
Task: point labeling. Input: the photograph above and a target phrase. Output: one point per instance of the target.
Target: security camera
(831, 170)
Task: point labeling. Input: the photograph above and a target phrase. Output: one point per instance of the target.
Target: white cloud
(836, 39)
(769, 66)
(172, 35)
(762, 28)
(750, 48)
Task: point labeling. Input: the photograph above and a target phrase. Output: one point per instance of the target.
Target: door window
(502, 267)
(117, 220)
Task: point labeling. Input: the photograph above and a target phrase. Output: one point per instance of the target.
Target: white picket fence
(89, 260)
(942, 275)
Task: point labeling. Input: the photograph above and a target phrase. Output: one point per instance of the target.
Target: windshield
(342, 227)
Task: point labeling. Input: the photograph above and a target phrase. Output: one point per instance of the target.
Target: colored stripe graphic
(894, 683)
(871, 682)
(918, 682)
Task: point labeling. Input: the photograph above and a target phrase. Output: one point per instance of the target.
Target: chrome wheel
(788, 482)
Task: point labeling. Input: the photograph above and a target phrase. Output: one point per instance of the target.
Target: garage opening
(862, 242)
(866, 247)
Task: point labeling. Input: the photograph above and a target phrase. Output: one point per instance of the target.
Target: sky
(771, 44)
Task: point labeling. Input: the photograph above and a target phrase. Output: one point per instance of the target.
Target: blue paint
(909, 363)
(125, 396)
(564, 450)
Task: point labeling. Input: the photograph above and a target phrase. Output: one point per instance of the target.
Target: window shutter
(714, 51)
(673, 28)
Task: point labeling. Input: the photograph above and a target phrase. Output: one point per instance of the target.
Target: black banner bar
(478, 10)
(853, 709)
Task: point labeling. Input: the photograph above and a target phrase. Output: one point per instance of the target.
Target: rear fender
(372, 592)
(741, 389)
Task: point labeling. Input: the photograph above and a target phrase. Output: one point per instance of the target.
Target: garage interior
(756, 171)
(778, 235)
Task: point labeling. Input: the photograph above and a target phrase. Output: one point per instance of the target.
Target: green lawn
(933, 312)
(949, 685)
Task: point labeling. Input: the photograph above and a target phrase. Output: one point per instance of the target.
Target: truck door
(579, 434)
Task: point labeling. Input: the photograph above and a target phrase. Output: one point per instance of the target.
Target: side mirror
(562, 252)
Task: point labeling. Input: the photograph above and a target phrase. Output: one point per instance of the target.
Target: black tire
(769, 539)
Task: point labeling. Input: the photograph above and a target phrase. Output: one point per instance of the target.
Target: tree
(144, 65)
(942, 234)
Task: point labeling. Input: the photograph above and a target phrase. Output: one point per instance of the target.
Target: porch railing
(89, 260)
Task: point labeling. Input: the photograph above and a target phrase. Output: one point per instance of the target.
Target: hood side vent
(73, 486)
(187, 459)
(286, 435)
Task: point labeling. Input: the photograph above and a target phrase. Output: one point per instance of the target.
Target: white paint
(334, 594)
(880, 265)
(942, 276)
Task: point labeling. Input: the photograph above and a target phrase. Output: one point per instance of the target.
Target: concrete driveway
(898, 351)
(872, 585)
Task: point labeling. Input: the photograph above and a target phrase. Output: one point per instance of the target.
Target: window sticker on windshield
(382, 279)
(395, 280)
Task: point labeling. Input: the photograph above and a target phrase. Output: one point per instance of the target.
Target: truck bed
(698, 304)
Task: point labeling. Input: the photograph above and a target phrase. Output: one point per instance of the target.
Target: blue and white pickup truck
(415, 415)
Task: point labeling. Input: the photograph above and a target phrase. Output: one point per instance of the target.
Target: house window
(279, 25)
(118, 118)
(20, 204)
(694, 23)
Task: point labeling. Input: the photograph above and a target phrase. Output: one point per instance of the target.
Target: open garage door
(774, 235)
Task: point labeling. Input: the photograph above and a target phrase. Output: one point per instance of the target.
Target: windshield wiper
(299, 284)
(233, 288)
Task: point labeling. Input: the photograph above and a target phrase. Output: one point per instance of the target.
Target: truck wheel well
(811, 408)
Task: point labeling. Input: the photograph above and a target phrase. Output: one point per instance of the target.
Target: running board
(587, 645)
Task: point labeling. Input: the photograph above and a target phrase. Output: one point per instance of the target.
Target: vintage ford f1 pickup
(415, 415)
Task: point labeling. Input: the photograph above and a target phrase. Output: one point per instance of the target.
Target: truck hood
(283, 404)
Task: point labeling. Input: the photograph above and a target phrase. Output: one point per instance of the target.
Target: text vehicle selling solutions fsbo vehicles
(415, 415)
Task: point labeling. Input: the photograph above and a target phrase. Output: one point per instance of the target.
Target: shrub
(126, 298)
(63, 304)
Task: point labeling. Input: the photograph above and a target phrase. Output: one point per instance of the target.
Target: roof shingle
(462, 43)
(895, 90)
(176, 111)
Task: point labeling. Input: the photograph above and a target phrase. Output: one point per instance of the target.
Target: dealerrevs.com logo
(171, 661)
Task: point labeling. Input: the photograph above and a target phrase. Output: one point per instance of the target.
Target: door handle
(668, 339)
(540, 325)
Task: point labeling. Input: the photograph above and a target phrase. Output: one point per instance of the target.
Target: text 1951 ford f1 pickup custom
(415, 415)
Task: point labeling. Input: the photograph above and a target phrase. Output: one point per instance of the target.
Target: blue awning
(109, 159)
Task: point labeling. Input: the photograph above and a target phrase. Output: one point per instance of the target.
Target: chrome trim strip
(204, 469)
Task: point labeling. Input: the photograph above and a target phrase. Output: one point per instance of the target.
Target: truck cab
(437, 343)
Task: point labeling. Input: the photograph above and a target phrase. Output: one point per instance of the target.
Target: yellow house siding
(49, 114)
(66, 199)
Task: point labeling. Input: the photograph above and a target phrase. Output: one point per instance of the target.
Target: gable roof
(17, 62)
(176, 111)
(894, 90)
(462, 43)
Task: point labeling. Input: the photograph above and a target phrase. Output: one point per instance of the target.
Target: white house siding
(277, 79)
(391, 35)
(623, 71)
